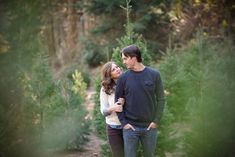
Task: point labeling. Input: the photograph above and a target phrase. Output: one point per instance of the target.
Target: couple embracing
(132, 103)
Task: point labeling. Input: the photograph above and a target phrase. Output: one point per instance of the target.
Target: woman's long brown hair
(106, 81)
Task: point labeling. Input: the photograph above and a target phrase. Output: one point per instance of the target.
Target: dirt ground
(91, 149)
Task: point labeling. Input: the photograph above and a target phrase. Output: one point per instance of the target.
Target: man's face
(128, 61)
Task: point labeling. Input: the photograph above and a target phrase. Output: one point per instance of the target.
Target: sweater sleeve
(119, 93)
(160, 98)
(104, 104)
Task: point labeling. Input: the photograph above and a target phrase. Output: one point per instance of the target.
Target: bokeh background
(51, 52)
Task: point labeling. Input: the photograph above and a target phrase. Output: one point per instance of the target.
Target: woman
(109, 75)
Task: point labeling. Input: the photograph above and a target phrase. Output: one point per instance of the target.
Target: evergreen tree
(199, 87)
(130, 38)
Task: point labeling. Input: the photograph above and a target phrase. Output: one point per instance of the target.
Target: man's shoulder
(153, 70)
(123, 76)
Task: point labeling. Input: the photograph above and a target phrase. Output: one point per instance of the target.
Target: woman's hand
(116, 107)
(121, 101)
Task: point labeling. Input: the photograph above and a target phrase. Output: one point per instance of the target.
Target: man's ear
(134, 58)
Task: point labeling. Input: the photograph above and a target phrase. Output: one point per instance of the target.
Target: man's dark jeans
(146, 137)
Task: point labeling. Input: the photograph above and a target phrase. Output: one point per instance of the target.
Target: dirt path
(91, 148)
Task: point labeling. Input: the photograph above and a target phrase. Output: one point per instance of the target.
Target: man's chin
(128, 67)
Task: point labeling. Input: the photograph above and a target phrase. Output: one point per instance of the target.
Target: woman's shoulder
(102, 90)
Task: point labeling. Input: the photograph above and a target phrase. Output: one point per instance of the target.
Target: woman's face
(115, 71)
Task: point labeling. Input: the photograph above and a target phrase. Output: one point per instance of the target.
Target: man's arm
(160, 98)
(119, 93)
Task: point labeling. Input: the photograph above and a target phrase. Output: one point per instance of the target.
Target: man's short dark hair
(132, 51)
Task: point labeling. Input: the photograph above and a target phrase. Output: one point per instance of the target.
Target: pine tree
(130, 38)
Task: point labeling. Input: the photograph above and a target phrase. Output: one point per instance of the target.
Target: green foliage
(160, 20)
(105, 151)
(93, 54)
(55, 107)
(79, 85)
(20, 23)
(101, 6)
(150, 19)
(37, 114)
(81, 68)
(164, 144)
(214, 105)
(129, 39)
(199, 87)
(99, 120)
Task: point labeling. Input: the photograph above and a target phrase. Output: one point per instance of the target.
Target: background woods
(50, 48)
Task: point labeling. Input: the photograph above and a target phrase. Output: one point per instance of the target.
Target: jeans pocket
(129, 129)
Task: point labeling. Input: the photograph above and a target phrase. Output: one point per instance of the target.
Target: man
(142, 89)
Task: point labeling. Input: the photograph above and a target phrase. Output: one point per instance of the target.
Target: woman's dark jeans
(115, 139)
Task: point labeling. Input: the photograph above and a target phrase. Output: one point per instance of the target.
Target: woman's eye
(114, 68)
